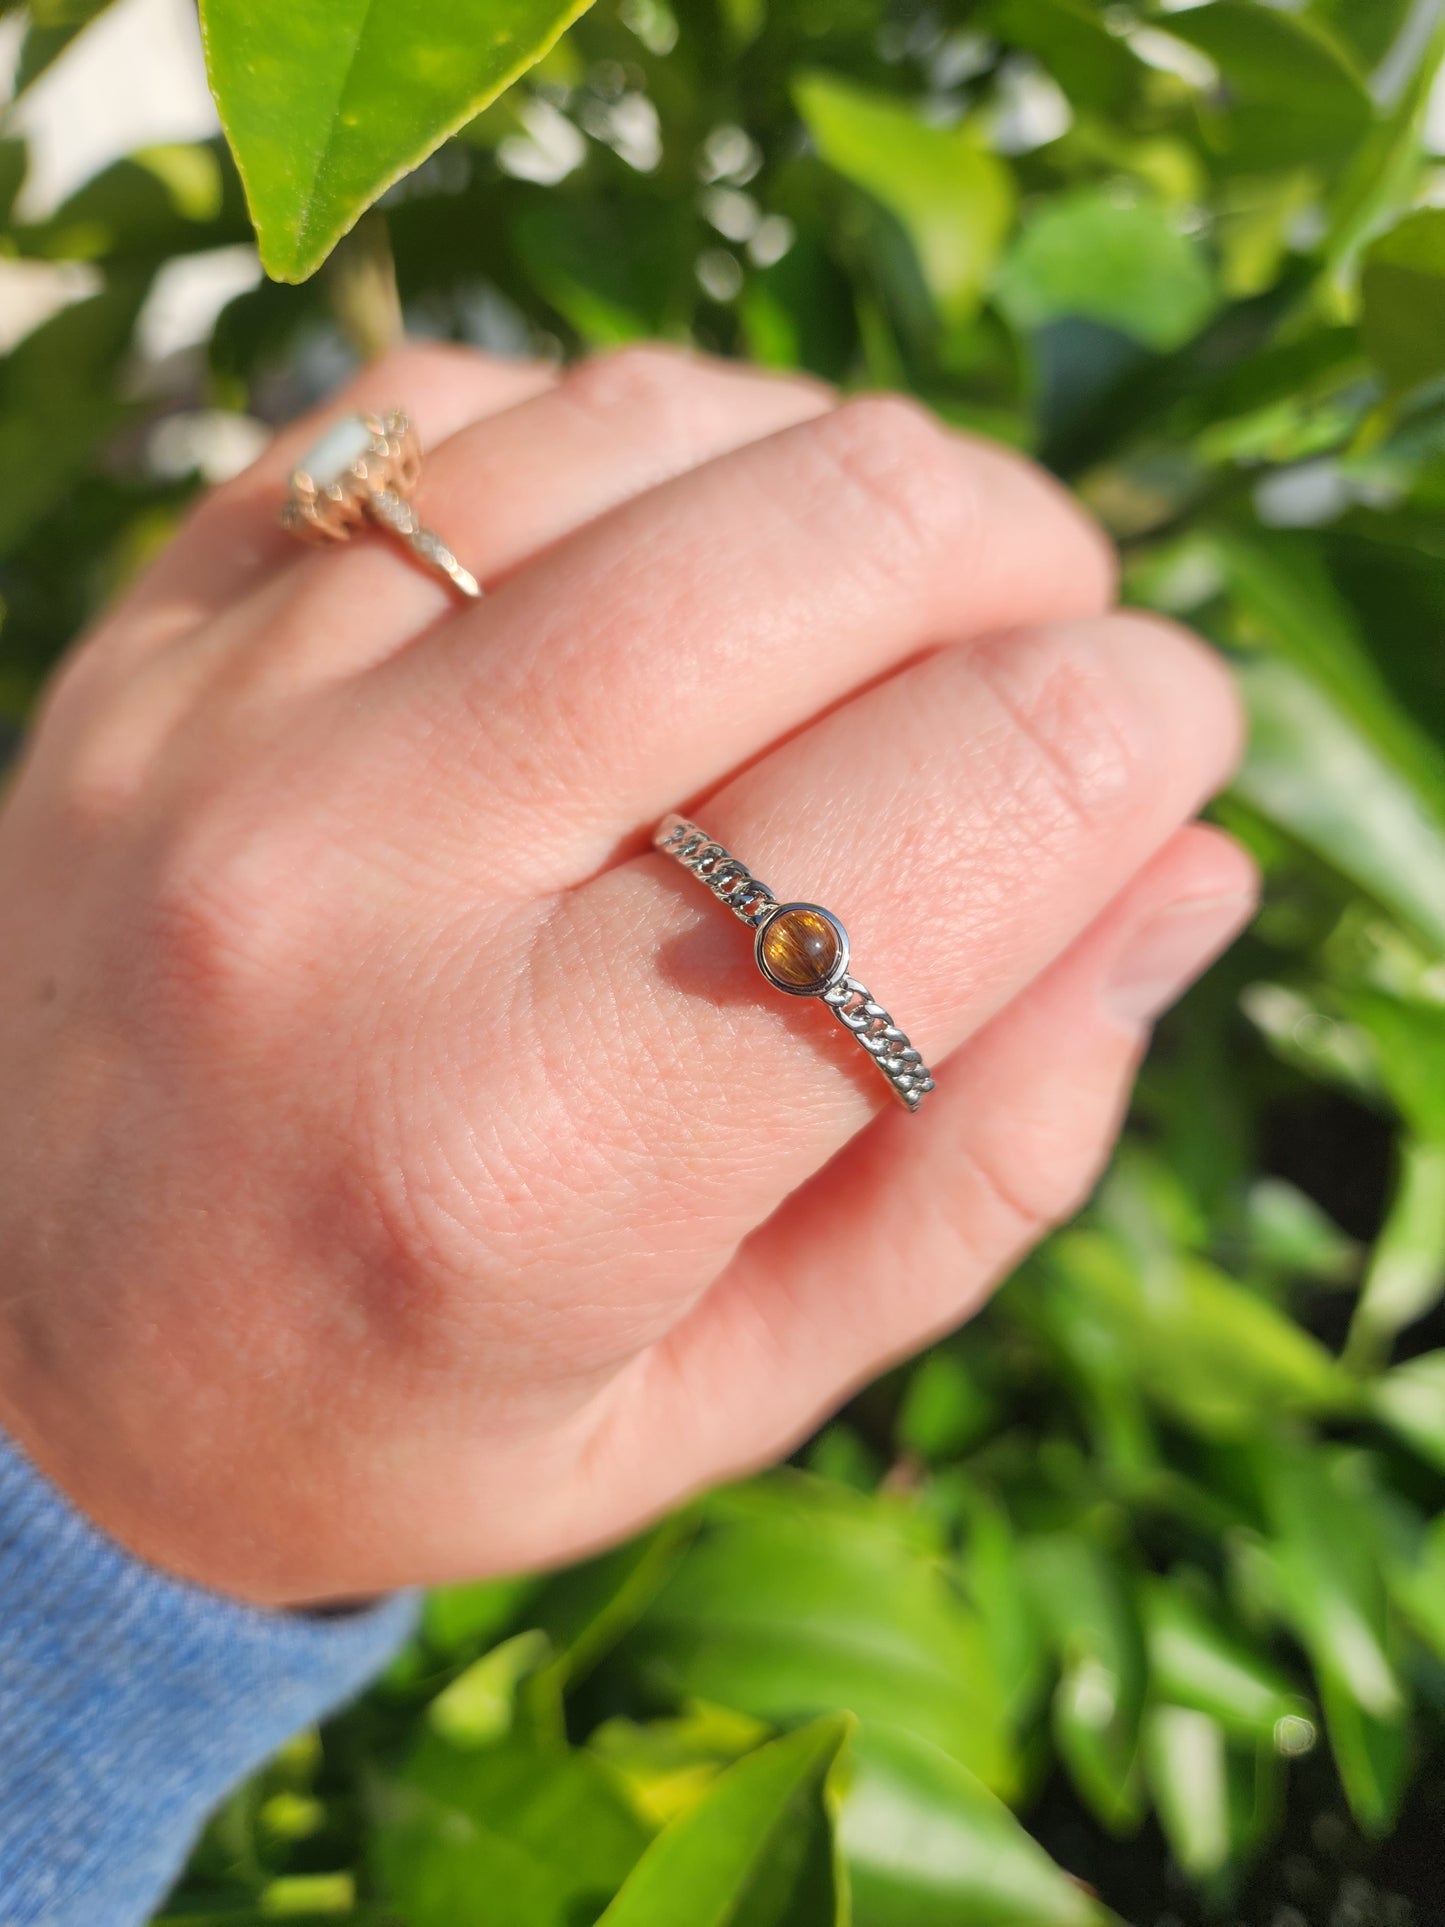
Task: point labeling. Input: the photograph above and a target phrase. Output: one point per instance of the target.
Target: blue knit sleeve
(131, 1703)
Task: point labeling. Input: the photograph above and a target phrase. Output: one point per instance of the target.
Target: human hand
(404, 1173)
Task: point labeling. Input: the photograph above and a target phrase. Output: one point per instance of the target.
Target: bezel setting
(837, 971)
(332, 510)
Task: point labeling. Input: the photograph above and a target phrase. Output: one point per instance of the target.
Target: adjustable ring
(802, 950)
(365, 468)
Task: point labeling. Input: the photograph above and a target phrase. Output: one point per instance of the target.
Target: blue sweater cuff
(131, 1703)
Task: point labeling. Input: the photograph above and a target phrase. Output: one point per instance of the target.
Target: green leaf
(928, 1846)
(1287, 604)
(477, 1708)
(1406, 1275)
(326, 102)
(1417, 1585)
(1311, 770)
(758, 1851)
(1081, 1596)
(944, 1408)
(59, 402)
(1380, 181)
(1293, 95)
(1194, 1664)
(1289, 1233)
(53, 25)
(1411, 1401)
(1092, 65)
(801, 1598)
(587, 1609)
(1125, 263)
(1187, 1765)
(1331, 1582)
(1332, 1588)
(668, 1765)
(14, 158)
(1403, 294)
(954, 199)
(1247, 1360)
(462, 1823)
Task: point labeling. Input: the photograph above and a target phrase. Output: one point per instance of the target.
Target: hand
(404, 1172)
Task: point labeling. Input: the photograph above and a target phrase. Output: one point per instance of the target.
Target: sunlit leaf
(1411, 1400)
(800, 1599)
(953, 197)
(1194, 1663)
(1082, 1598)
(1403, 286)
(1405, 1278)
(1310, 769)
(464, 1822)
(757, 1852)
(327, 102)
(1187, 1765)
(1292, 93)
(1123, 262)
(929, 1846)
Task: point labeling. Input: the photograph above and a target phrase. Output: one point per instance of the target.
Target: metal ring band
(364, 468)
(753, 903)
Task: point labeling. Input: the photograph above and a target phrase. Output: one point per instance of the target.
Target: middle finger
(657, 650)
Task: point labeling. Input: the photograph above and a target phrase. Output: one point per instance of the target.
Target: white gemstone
(330, 459)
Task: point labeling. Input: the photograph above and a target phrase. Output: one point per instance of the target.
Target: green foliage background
(1152, 1555)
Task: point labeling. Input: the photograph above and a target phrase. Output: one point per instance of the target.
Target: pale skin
(404, 1172)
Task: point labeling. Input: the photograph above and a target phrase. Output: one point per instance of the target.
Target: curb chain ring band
(802, 950)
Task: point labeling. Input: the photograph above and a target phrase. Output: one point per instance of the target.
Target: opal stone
(800, 949)
(328, 460)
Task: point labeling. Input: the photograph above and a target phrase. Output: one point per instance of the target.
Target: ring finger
(508, 485)
(967, 819)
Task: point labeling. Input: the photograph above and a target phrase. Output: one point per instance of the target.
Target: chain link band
(753, 903)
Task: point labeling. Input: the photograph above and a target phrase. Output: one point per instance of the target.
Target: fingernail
(1165, 955)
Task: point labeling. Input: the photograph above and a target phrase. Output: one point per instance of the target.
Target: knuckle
(905, 468)
(423, 362)
(644, 375)
(1082, 747)
(1047, 1186)
(219, 935)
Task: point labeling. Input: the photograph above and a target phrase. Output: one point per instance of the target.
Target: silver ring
(802, 950)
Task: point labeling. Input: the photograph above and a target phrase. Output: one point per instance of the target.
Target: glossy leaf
(1333, 1586)
(1411, 1401)
(1082, 1598)
(326, 104)
(667, 1766)
(59, 399)
(1247, 1359)
(1187, 1764)
(1310, 770)
(465, 1822)
(1404, 300)
(757, 1852)
(1127, 264)
(1092, 65)
(1293, 95)
(952, 196)
(928, 1845)
(1290, 1233)
(1194, 1664)
(1406, 1274)
(801, 1599)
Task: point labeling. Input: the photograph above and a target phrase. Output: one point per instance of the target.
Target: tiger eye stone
(800, 949)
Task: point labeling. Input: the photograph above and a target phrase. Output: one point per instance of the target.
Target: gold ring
(364, 468)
